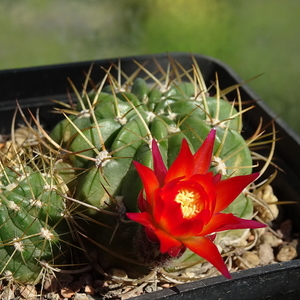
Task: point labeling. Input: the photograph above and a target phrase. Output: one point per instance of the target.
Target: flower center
(189, 201)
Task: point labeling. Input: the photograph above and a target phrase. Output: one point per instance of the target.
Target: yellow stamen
(189, 201)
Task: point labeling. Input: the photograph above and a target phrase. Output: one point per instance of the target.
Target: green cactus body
(32, 223)
(120, 128)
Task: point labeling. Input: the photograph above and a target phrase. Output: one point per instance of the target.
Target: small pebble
(52, 296)
(248, 260)
(269, 213)
(89, 290)
(67, 293)
(286, 253)
(81, 296)
(265, 253)
(271, 239)
(285, 230)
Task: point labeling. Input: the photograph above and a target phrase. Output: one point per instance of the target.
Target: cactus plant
(114, 125)
(85, 174)
(33, 231)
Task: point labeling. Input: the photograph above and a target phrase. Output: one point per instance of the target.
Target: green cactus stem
(114, 126)
(33, 230)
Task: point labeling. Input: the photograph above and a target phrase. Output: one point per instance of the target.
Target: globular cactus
(114, 125)
(33, 229)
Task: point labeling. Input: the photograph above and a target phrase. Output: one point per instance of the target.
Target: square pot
(33, 87)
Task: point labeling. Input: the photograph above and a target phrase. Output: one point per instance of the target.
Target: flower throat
(189, 201)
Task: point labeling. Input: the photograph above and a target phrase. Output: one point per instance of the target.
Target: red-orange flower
(181, 207)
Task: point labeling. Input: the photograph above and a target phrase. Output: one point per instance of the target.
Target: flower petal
(202, 158)
(149, 181)
(229, 189)
(205, 248)
(167, 242)
(143, 218)
(182, 218)
(238, 223)
(182, 165)
(169, 214)
(151, 235)
(206, 181)
(142, 203)
(188, 228)
(174, 252)
(217, 178)
(159, 167)
(222, 222)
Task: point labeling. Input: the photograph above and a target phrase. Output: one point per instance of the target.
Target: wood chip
(89, 290)
(67, 293)
(28, 292)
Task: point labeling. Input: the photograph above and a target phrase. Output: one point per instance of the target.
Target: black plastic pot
(33, 87)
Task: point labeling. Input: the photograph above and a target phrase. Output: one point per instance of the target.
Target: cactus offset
(33, 230)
